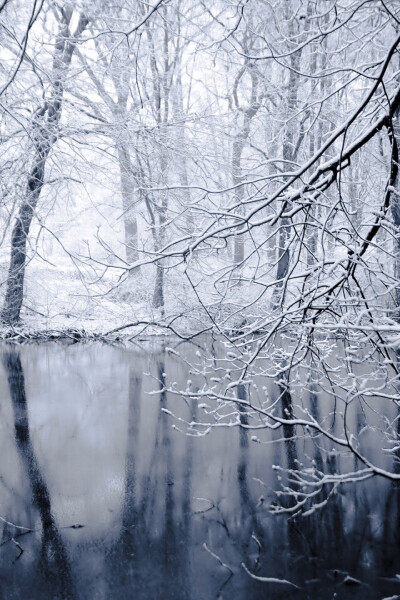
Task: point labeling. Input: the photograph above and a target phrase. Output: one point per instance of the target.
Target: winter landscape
(200, 299)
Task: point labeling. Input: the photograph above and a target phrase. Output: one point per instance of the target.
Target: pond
(103, 497)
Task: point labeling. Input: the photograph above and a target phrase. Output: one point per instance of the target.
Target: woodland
(223, 173)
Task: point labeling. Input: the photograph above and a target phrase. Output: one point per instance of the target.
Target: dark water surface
(100, 498)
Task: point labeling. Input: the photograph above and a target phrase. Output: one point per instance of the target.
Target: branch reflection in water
(169, 515)
(53, 567)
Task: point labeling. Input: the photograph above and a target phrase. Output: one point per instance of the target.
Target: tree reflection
(391, 526)
(158, 538)
(151, 554)
(54, 572)
(251, 533)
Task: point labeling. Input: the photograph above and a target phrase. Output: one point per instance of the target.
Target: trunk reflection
(53, 568)
(162, 510)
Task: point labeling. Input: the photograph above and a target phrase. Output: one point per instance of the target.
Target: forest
(201, 199)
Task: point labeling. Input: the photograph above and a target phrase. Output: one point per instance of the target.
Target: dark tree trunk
(289, 154)
(15, 281)
(44, 134)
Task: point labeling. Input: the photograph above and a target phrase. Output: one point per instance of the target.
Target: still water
(101, 498)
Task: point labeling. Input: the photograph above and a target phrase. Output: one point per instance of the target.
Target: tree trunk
(237, 178)
(289, 153)
(237, 152)
(158, 295)
(44, 134)
(130, 221)
(15, 280)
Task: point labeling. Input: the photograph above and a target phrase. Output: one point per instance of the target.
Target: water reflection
(117, 504)
(53, 567)
(155, 517)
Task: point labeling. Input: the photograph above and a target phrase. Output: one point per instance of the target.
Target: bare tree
(44, 135)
